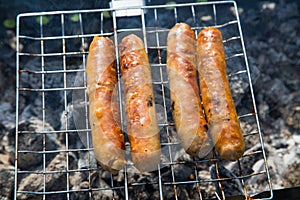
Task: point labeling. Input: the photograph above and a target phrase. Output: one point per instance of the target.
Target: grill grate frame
(154, 37)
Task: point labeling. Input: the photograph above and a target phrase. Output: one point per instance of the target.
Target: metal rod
(87, 133)
(120, 96)
(43, 105)
(17, 106)
(65, 104)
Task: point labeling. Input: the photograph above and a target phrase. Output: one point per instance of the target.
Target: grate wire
(152, 28)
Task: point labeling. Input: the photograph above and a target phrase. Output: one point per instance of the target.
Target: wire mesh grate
(56, 152)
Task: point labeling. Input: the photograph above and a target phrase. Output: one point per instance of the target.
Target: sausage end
(228, 139)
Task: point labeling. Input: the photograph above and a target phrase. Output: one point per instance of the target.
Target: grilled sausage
(108, 138)
(142, 126)
(187, 110)
(217, 100)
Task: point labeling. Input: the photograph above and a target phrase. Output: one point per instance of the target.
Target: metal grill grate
(52, 49)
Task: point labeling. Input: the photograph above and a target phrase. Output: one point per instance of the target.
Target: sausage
(218, 104)
(142, 128)
(104, 116)
(187, 110)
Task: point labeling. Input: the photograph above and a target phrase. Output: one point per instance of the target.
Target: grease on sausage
(219, 107)
(108, 138)
(142, 125)
(187, 110)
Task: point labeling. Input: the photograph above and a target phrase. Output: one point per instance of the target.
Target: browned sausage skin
(142, 126)
(108, 138)
(217, 100)
(187, 110)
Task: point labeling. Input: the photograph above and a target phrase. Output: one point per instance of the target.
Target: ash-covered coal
(272, 39)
